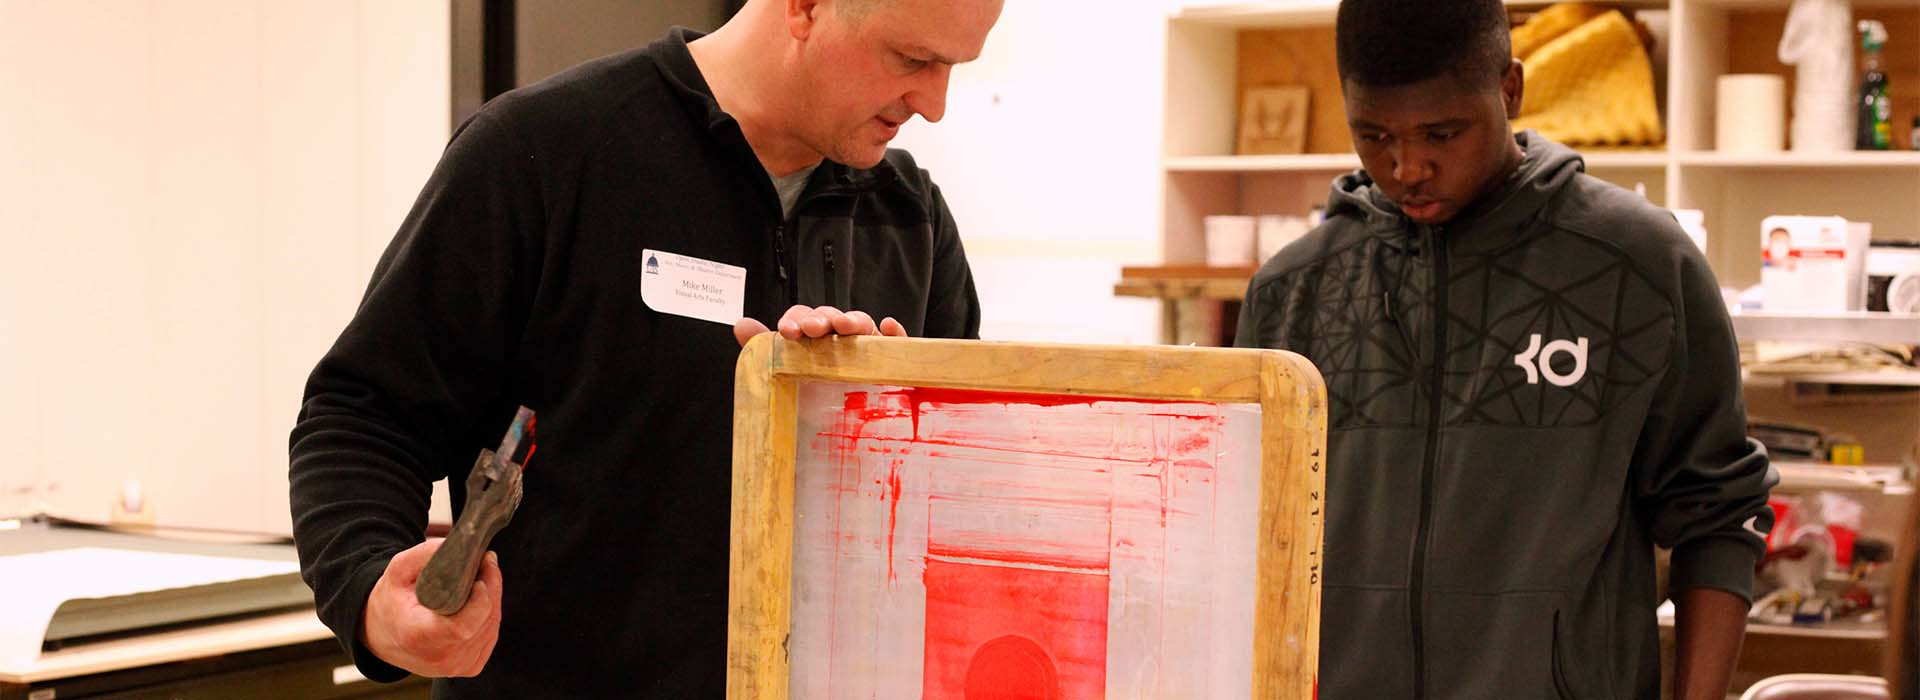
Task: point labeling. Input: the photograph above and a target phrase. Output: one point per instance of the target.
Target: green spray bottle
(1875, 132)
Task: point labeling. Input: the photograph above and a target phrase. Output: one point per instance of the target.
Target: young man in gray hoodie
(1533, 382)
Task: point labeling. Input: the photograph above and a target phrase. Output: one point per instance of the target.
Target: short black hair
(1389, 43)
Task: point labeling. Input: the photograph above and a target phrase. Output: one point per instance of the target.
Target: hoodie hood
(1545, 169)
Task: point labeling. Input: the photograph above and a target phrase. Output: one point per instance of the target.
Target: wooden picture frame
(1292, 430)
(1273, 120)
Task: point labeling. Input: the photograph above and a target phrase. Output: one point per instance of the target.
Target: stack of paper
(68, 595)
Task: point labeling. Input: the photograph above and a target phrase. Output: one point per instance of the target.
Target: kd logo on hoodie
(1537, 361)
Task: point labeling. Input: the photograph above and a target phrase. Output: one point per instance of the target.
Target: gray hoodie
(1497, 482)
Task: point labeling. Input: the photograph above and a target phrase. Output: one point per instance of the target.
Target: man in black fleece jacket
(1532, 382)
(517, 280)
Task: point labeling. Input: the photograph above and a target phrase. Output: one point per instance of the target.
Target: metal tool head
(519, 435)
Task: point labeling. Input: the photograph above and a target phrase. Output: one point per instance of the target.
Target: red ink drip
(855, 401)
(893, 513)
(531, 448)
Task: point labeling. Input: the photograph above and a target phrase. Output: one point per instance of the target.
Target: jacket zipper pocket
(1560, 685)
(833, 280)
(780, 267)
(1388, 305)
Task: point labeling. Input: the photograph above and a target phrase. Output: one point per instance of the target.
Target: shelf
(1853, 326)
(1850, 628)
(1307, 13)
(1205, 272)
(1784, 4)
(1800, 477)
(1184, 282)
(1788, 160)
(1304, 163)
(1601, 160)
(1303, 13)
(1597, 160)
(1892, 377)
(1344, 162)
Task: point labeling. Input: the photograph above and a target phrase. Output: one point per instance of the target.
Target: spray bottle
(1875, 131)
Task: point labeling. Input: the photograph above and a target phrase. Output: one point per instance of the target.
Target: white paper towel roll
(1751, 114)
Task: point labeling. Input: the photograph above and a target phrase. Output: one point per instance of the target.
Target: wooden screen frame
(1293, 429)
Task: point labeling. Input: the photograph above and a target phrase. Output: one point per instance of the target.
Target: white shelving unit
(1698, 40)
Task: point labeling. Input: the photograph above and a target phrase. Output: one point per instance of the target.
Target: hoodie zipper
(1437, 376)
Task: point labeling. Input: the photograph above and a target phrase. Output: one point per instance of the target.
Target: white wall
(192, 196)
(193, 192)
(1049, 155)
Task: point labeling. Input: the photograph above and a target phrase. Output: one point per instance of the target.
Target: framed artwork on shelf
(1273, 120)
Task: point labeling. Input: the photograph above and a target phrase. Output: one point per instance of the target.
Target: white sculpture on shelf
(1819, 40)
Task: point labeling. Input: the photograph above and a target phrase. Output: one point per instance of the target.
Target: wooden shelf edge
(1790, 160)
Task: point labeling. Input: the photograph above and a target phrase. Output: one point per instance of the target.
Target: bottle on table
(1875, 131)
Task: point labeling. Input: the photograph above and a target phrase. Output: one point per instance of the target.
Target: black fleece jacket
(516, 280)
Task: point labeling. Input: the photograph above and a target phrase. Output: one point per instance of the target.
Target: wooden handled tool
(493, 492)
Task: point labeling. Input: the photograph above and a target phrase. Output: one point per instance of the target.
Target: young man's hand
(814, 322)
(396, 628)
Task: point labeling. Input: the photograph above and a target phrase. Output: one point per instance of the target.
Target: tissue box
(1814, 263)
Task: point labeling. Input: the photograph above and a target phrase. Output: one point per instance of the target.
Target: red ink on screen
(1020, 512)
(986, 624)
(1012, 667)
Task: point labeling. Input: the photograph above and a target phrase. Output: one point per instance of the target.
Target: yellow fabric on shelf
(1549, 24)
(1592, 86)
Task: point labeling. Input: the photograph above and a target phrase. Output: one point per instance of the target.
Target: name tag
(691, 287)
